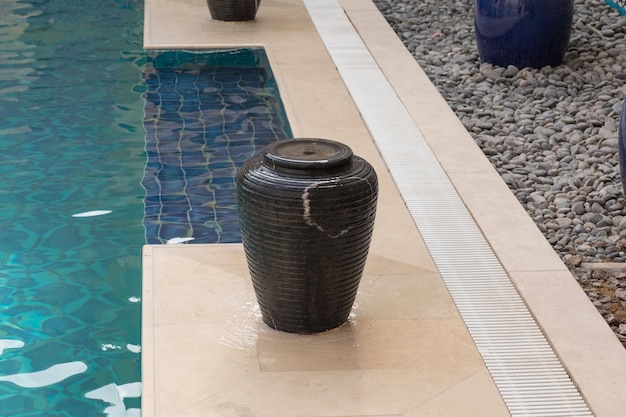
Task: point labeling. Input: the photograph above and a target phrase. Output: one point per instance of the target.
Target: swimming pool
(85, 182)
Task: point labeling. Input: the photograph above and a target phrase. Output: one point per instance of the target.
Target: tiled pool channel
(205, 114)
(78, 174)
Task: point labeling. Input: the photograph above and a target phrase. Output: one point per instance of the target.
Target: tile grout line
(523, 365)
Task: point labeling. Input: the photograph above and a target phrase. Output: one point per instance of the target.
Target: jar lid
(307, 153)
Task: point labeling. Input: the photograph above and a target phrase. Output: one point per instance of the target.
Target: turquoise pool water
(102, 149)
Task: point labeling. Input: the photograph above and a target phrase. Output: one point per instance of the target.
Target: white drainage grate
(523, 365)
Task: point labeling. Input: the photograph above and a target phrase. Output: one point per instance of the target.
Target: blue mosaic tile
(206, 113)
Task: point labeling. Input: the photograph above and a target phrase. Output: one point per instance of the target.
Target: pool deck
(406, 350)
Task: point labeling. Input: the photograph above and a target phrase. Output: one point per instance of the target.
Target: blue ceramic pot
(524, 33)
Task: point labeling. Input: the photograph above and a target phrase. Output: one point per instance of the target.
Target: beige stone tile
(389, 289)
(512, 234)
(195, 361)
(181, 260)
(212, 363)
(353, 6)
(189, 276)
(148, 347)
(321, 104)
(195, 28)
(392, 241)
(196, 299)
(148, 274)
(320, 394)
(381, 265)
(396, 238)
(372, 344)
(400, 297)
(475, 396)
(213, 355)
(453, 146)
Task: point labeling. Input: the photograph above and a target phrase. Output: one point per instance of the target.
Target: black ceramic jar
(524, 33)
(233, 10)
(306, 209)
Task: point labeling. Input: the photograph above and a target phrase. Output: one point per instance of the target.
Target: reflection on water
(206, 113)
(52, 375)
(114, 395)
(71, 205)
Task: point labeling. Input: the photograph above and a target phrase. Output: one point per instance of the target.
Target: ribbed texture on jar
(306, 240)
(233, 10)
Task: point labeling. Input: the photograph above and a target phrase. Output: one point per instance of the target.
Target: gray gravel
(551, 133)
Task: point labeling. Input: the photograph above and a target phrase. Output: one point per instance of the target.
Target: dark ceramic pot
(307, 209)
(524, 33)
(233, 10)
(621, 145)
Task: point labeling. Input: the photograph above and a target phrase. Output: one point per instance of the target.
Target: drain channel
(523, 365)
